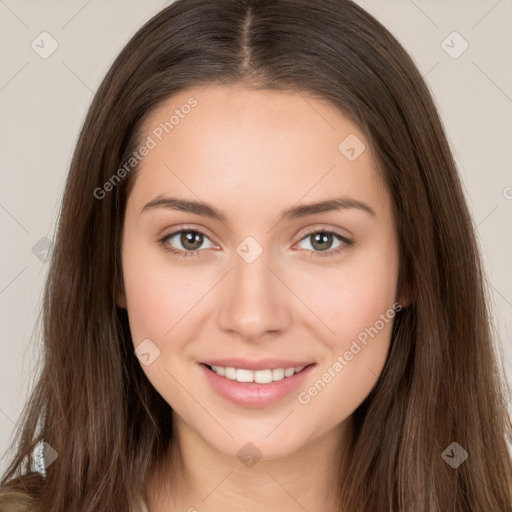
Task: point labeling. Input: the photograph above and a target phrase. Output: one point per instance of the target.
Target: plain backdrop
(44, 98)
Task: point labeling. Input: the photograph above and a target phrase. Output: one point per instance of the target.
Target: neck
(308, 478)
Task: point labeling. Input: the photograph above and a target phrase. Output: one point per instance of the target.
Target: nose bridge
(253, 300)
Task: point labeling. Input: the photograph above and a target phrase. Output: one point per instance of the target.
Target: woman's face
(250, 285)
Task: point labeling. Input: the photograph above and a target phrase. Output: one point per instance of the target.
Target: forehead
(258, 146)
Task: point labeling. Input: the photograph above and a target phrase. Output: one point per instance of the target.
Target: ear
(405, 295)
(121, 299)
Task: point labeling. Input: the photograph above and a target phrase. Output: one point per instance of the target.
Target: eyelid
(329, 229)
(190, 227)
(204, 231)
(345, 240)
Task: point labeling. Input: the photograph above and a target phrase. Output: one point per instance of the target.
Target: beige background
(43, 103)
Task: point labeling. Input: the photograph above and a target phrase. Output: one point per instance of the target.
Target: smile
(260, 376)
(255, 388)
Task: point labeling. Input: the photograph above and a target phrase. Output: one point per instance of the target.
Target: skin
(253, 153)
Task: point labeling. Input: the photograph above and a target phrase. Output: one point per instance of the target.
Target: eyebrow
(295, 212)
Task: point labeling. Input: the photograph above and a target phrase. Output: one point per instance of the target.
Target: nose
(254, 302)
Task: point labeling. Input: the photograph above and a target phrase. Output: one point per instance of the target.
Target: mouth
(265, 376)
(255, 388)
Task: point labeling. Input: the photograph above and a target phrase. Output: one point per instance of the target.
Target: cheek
(351, 296)
(159, 290)
(160, 303)
(361, 312)
(147, 301)
(345, 297)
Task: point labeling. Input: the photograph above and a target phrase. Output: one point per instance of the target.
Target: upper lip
(261, 364)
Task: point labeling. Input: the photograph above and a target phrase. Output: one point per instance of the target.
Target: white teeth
(263, 376)
(244, 375)
(258, 376)
(278, 374)
(229, 372)
(220, 370)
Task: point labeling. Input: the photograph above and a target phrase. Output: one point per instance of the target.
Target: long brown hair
(442, 382)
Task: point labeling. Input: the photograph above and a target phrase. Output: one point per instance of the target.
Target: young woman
(265, 291)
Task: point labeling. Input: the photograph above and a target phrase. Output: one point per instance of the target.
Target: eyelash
(346, 242)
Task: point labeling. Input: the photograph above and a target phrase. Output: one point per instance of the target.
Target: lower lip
(252, 394)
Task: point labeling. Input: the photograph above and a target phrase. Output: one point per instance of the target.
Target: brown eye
(191, 240)
(185, 241)
(321, 242)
